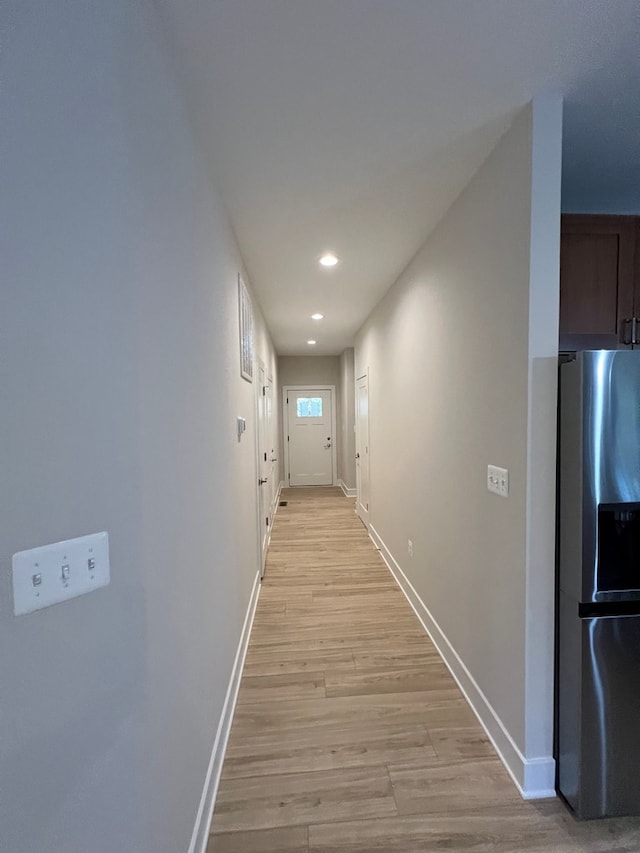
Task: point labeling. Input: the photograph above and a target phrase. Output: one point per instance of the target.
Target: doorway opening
(309, 421)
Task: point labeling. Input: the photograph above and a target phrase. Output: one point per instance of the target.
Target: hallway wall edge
(534, 777)
(348, 492)
(204, 816)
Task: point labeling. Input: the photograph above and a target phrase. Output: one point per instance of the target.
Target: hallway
(349, 732)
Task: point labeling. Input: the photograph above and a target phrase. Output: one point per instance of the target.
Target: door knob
(327, 446)
(262, 481)
(357, 456)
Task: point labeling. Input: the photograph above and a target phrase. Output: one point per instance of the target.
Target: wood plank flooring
(350, 734)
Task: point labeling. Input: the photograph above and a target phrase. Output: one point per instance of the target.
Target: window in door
(309, 407)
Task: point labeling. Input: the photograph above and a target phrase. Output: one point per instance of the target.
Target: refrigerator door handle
(628, 331)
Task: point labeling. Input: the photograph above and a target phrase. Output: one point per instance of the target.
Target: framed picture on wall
(245, 313)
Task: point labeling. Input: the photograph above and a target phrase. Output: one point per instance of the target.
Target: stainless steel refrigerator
(598, 600)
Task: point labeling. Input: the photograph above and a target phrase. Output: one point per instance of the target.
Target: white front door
(310, 436)
(362, 448)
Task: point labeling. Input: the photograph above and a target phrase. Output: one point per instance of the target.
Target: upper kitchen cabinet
(597, 282)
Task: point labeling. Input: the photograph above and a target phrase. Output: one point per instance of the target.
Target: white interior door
(310, 429)
(265, 465)
(272, 458)
(362, 448)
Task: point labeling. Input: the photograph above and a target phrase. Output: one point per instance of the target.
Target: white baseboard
(272, 514)
(200, 836)
(276, 502)
(350, 493)
(534, 777)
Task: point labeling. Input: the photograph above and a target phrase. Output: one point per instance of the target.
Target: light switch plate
(498, 480)
(53, 573)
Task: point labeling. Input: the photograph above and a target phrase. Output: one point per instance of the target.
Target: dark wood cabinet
(598, 282)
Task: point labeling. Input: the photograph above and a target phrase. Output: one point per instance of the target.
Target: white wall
(347, 460)
(120, 388)
(461, 354)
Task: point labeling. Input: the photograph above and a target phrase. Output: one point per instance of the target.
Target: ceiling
(352, 125)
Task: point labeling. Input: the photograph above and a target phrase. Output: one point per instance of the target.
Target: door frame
(264, 503)
(272, 440)
(334, 433)
(363, 456)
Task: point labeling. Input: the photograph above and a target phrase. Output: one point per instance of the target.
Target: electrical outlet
(498, 480)
(410, 547)
(53, 573)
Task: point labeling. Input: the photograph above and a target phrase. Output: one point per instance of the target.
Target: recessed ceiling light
(317, 316)
(328, 260)
(311, 343)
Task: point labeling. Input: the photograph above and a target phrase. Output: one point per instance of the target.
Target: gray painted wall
(462, 360)
(309, 369)
(120, 388)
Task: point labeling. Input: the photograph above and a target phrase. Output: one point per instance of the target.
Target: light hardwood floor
(350, 734)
